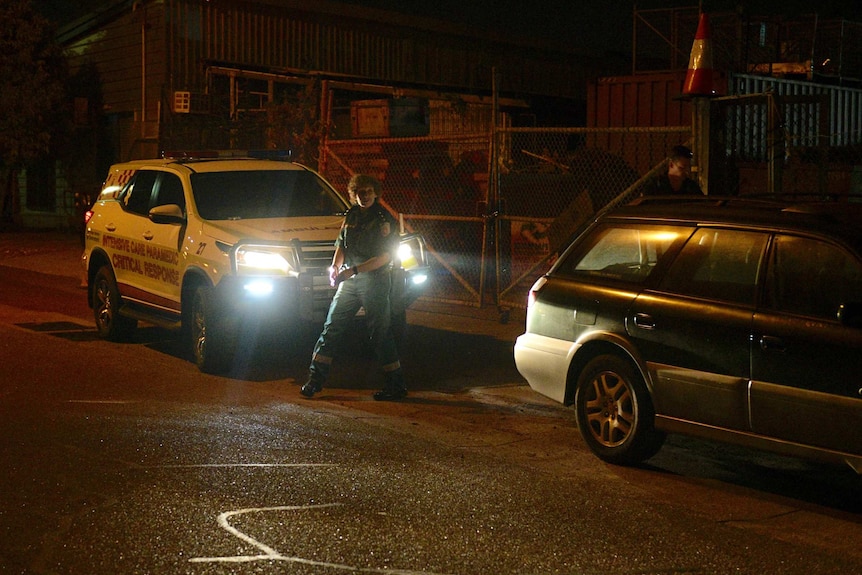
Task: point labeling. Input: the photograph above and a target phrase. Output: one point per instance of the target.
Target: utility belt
(382, 270)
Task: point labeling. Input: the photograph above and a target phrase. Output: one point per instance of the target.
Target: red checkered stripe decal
(119, 178)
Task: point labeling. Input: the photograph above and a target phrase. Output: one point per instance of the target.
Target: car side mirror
(167, 214)
(850, 314)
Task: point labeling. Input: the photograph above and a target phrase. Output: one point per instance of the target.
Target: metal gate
(496, 210)
(438, 186)
(786, 137)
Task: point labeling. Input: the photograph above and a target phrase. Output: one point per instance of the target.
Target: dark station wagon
(737, 320)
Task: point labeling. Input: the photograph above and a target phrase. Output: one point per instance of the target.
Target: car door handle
(772, 343)
(111, 227)
(148, 235)
(644, 321)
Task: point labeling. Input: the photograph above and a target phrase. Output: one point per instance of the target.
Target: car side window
(171, 191)
(627, 252)
(811, 277)
(139, 191)
(718, 264)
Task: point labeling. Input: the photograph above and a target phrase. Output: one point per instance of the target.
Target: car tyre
(105, 296)
(212, 345)
(614, 412)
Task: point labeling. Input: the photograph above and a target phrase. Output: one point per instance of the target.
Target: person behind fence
(361, 271)
(677, 179)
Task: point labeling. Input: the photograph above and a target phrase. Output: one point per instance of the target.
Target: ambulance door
(161, 243)
(123, 234)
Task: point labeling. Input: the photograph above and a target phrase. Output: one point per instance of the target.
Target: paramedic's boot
(311, 387)
(394, 389)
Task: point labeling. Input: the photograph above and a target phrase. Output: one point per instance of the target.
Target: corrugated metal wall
(266, 37)
(118, 52)
(654, 100)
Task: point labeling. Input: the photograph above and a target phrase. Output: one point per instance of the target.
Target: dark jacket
(367, 234)
(661, 187)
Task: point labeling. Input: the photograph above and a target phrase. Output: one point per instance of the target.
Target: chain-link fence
(554, 180)
(496, 209)
(492, 233)
(439, 186)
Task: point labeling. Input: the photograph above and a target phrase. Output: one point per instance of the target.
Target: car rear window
(811, 277)
(718, 264)
(626, 252)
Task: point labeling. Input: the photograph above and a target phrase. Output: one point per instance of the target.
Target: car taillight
(87, 215)
(534, 291)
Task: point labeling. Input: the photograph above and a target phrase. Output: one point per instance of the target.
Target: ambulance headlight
(264, 260)
(405, 254)
(411, 251)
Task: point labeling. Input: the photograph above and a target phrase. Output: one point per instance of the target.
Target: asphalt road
(123, 458)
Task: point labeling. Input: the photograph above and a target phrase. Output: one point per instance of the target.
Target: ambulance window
(171, 192)
(137, 195)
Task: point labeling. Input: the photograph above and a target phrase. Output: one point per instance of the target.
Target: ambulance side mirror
(167, 214)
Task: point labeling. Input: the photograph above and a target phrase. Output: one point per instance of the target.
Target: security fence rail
(494, 209)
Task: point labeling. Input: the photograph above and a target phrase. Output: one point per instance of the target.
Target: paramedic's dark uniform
(364, 235)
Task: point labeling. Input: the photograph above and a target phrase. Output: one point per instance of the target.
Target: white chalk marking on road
(102, 401)
(270, 554)
(204, 465)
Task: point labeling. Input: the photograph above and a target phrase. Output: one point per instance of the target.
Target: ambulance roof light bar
(284, 155)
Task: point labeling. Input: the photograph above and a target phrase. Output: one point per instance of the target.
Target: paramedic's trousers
(368, 290)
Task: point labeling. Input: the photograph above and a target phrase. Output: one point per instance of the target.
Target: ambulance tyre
(210, 337)
(105, 296)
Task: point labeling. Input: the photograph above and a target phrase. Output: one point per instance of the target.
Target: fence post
(493, 209)
(776, 147)
(824, 112)
(701, 127)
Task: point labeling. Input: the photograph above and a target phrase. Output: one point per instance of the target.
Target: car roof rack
(807, 202)
(704, 199)
(845, 209)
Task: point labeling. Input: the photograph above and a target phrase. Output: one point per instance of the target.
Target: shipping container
(642, 100)
(399, 118)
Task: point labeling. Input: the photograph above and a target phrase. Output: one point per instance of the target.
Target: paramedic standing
(364, 252)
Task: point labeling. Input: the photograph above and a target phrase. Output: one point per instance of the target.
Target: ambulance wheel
(110, 324)
(212, 344)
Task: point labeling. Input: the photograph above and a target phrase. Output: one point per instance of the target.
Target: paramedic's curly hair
(360, 181)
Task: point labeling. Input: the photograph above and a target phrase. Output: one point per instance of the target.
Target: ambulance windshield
(252, 194)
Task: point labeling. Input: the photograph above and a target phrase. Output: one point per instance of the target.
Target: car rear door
(694, 329)
(806, 365)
